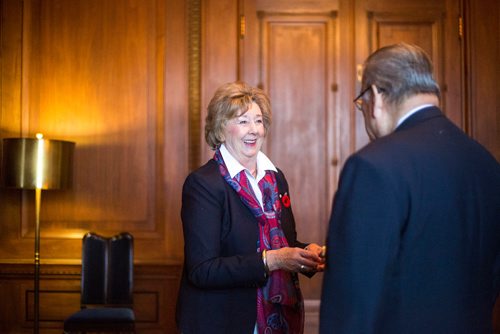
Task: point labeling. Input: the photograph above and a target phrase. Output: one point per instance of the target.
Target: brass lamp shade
(26, 165)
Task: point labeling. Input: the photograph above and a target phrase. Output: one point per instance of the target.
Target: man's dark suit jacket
(414, 236)
(222, 269)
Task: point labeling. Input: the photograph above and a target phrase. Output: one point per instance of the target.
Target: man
(414, 237)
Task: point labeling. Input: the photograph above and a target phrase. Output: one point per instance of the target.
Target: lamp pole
(38, 199)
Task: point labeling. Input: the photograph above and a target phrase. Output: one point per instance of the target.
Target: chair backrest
(107, 269)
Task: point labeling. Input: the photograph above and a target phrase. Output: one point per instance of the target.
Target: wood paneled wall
(155, 288)
(98, 73)
(111, 76)
(129, 81)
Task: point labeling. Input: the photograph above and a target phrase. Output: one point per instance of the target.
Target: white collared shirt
(234, 167)
(411, 112)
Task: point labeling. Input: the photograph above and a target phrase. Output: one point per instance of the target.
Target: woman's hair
(400, 71)
(229, 101)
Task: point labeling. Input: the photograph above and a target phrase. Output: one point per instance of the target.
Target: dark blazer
(222, 269)
(414, 236)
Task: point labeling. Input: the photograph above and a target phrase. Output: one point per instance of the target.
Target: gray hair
(400, 71)
(229, 101)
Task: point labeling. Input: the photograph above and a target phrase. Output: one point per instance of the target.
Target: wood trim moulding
(24, 269)
(194, 95)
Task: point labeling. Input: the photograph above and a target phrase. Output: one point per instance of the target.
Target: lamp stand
(38, 200)
(29, 163)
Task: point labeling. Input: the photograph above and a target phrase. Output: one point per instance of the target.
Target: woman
(241, 252)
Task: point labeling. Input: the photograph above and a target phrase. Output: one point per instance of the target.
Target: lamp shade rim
(29, 163)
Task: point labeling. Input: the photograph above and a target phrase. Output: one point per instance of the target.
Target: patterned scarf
(280, 308)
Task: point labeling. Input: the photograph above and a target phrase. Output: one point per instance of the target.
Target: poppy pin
(285, 199)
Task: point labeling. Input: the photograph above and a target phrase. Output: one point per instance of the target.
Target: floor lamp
(37, 163)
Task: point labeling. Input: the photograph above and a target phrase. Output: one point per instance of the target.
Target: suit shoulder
(207, 175)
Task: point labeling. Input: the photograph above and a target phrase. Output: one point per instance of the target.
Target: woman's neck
(251, 166)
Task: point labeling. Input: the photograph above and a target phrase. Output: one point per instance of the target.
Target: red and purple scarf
(280, 308)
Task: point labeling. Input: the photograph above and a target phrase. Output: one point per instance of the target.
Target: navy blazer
(222, 269)
(414, 236)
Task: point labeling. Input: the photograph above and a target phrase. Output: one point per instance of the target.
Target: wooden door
(292, 49)
(289, 51)
(307, 56)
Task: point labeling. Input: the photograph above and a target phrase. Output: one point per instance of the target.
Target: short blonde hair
(229, 101)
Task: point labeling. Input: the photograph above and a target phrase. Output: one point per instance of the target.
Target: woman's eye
(242, 121)
(259, 121)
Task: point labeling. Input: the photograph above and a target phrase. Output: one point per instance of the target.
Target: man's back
(420, 254)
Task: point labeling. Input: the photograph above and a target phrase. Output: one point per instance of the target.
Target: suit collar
(420, 116)
(234, 167)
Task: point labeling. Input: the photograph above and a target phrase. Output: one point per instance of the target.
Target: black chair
(106, 286)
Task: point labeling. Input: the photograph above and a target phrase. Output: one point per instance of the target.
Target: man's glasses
(358, 101)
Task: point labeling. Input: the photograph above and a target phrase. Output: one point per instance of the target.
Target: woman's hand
(321, 251)
(294, 259)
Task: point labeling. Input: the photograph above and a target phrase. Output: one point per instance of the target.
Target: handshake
(294, 259)
(320, 251)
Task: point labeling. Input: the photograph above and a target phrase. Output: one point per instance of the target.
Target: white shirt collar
(411, 112)
(234, 167)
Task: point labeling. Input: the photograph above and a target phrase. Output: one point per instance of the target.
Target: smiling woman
(244, 136)
(241, 251)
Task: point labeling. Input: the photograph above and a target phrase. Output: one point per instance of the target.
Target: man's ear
(378, 102)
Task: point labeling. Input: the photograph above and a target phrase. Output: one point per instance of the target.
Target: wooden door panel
(423, 30)
(415, 33)
(390, 26)
(297, 72)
